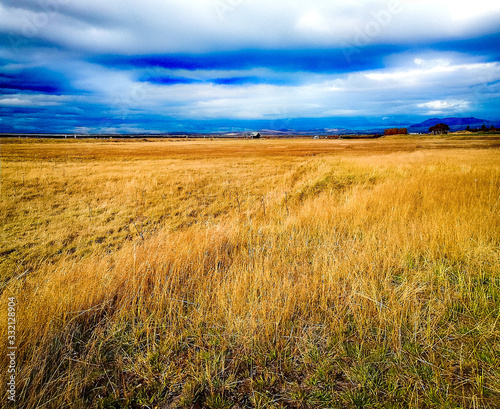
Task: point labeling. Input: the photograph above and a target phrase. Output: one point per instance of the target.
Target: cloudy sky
(172, 65)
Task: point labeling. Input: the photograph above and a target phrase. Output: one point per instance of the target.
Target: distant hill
(455, 124)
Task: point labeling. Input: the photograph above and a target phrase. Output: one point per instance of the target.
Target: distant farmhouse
(253, 135)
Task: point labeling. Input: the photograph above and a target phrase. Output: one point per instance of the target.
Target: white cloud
(14, 102)
(466, 10)
(313, 23)
(33, 100)
(411, 82)
(154, 26)
(441, 72)
(438, 106)
(437, 84)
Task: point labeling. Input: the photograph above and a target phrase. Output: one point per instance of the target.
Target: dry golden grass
(264, 273)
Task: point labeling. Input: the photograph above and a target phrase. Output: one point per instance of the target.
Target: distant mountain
(451, 121)
(455, 124)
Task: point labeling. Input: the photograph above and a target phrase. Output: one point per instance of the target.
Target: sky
(149, 66)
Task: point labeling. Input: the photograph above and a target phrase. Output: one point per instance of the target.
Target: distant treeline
(483, 128)
(396, 131)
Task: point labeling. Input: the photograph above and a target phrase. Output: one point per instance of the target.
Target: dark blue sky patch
(486, 46)
(13, 86)
(7, 111)
(166, 80)
(350, 58)
(242, 81)
(34, 80)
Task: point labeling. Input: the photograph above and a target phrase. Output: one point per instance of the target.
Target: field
(252, 273)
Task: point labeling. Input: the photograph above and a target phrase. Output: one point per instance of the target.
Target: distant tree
(468, 128)
(483, 128)
(439, 129)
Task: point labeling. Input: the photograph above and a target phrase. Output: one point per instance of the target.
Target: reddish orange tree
(396, 131)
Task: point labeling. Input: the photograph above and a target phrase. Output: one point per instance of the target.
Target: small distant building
(253, 135)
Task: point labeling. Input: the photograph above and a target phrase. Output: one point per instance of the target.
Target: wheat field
(252, 273)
